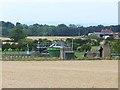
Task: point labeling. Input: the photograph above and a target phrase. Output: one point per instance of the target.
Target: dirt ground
(60, 74)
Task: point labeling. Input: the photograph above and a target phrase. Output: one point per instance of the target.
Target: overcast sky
(83, 12)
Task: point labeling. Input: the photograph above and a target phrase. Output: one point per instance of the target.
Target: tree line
(19, 31)
(52, 30)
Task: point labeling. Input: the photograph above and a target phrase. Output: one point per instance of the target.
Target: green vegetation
(22, 44)
(95, 47)
(34, 59)
(79, 55)
(0, 50)
(19, 44)
(115, 45)
(52, 30)
(18, 33)
(93, 37)
(55, 59)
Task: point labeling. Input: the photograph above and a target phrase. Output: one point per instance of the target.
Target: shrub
(86, 47)
(116, 46)
(5, 46)
(79, 49)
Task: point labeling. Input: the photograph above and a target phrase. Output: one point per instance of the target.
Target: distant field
(51, 37)
(4, 38)
(44, 37)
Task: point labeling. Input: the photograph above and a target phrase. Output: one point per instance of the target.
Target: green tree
(13, 46)
(86, 47)
(18, 33)
(116, 46)
(5, 46)
(23, 44)
(79, 49)
(93, 37)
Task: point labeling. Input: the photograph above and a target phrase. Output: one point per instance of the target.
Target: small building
(117, 35)
(105, 33)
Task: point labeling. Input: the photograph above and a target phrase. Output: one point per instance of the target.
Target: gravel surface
(60, 74)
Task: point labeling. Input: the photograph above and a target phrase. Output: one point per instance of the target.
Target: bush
(86, 47)
(5, 46)
(13, 46)
(10, 50)
(116, 46)
(79, 49)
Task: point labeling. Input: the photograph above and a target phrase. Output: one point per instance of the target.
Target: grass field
(95, 47)
(79, 55)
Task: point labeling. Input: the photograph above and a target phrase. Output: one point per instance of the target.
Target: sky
(53, 12)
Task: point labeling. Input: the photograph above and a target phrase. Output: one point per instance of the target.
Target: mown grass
(95, 47)
(34, 59)
(56, 59)
(79, 55)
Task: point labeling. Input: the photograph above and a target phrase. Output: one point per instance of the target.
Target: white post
(72, 44)
(28, 49)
